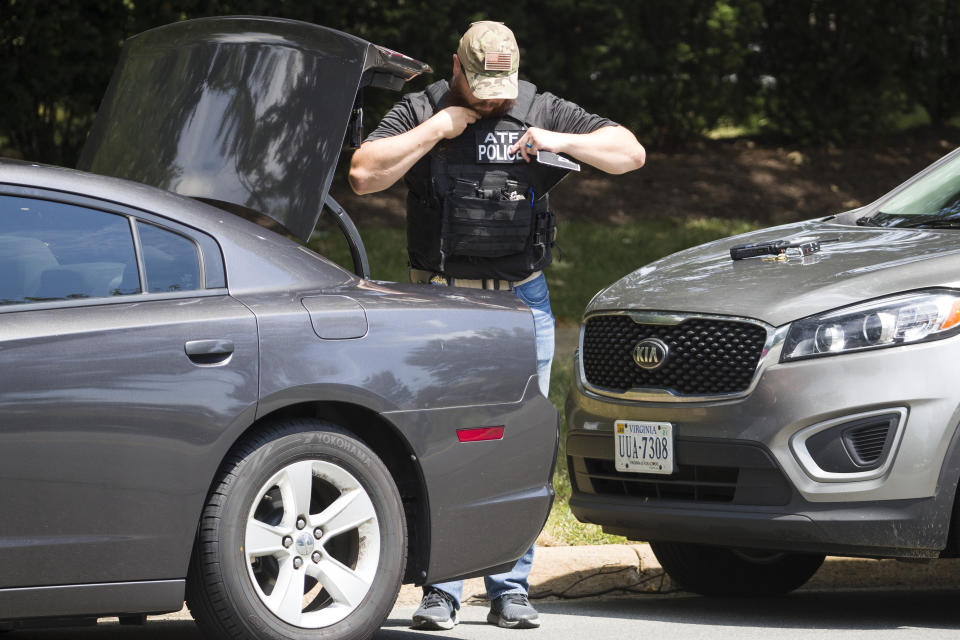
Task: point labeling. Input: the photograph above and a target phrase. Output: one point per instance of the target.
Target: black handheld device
(773, 248)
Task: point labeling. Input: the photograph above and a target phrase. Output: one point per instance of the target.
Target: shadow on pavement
(153, 630)
(866, 610)
(847, 610)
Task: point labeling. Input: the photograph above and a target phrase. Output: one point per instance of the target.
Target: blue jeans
(536, 296)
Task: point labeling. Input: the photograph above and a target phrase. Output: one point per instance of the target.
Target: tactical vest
(485, 212)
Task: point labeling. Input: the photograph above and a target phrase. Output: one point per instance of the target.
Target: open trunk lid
(241, 111)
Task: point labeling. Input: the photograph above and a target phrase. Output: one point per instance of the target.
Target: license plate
(643, 447)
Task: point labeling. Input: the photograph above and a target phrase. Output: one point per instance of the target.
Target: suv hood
(240, 110)
(863, 263)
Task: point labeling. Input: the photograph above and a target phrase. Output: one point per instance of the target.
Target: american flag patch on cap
(495, 61)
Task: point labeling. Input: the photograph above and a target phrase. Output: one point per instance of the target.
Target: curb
(618, 569)
(585, 571)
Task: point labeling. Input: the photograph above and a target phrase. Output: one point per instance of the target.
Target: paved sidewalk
(619, 569)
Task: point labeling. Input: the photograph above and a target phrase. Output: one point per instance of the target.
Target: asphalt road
(838, 615)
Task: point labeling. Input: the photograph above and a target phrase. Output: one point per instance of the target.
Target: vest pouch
(484, 228)
(544, 238)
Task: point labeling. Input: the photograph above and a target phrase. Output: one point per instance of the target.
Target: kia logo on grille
(650, 354)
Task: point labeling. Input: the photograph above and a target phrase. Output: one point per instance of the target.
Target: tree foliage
(808, 70)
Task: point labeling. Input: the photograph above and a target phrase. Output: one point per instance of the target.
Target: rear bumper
(488, 500)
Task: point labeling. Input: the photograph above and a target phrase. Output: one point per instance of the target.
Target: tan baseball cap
(490, 60)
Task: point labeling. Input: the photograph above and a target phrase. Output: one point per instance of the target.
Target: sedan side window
(57, 251)
(172, 261)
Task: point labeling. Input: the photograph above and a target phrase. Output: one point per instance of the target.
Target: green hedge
(804, 70)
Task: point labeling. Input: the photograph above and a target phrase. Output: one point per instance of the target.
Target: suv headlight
(887, 322)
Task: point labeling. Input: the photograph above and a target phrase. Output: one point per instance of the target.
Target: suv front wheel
(721, 571)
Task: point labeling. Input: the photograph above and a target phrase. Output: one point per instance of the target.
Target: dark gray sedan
(193, 405)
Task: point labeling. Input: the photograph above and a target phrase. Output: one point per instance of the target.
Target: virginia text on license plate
(643, 447)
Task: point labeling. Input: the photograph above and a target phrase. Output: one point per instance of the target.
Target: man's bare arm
(610, 149)
(377, 164)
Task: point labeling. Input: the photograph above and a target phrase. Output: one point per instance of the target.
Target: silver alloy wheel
(312, 543)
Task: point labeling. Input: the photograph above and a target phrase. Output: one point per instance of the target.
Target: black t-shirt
(563, 116)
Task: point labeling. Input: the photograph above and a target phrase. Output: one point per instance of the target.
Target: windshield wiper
(943, 223)
(867, 221)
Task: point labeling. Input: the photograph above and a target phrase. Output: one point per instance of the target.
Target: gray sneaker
(513, 611)
(437, 611)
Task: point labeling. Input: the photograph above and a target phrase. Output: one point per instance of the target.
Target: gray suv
(754, 403)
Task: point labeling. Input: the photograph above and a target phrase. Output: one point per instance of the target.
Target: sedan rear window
(57, 251)
(172, 261)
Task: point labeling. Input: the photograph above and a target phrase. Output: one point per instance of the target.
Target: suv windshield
(932, 201)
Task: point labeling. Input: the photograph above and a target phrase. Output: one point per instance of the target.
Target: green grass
(562, 527)
(595, 256)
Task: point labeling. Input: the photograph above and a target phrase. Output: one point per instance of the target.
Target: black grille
(868, 443)
(859, 444)
(707, 471)
(706, 356)
(689, 482)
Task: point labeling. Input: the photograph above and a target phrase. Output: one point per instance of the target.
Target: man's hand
(534, 140)
(377, 164)
(612, 149)
(451, 122)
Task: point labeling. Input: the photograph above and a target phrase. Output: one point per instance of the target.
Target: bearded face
(461, 96)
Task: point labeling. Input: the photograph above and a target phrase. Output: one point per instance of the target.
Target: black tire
(720, 571)
(228, 592)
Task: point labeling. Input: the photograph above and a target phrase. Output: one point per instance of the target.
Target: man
(478, 215)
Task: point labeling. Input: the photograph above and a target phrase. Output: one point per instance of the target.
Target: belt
(429, 277)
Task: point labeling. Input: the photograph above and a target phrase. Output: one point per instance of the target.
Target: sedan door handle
(208, 351)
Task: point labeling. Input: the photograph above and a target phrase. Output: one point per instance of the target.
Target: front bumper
(752, 489)
(894, 528)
